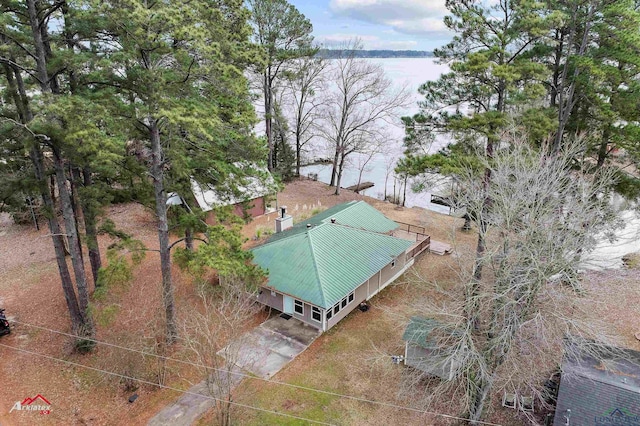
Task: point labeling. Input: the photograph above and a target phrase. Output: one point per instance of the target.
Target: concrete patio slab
(266, 349)
(191, 405)
(263, 351)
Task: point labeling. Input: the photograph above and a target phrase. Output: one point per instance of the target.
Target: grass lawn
(353, 358)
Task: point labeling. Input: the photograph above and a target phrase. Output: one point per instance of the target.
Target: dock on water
(361, 187)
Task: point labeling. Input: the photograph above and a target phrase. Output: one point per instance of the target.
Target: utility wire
(122, 376)
(248, 376)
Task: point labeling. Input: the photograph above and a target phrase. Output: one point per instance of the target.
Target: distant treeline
(336, 53)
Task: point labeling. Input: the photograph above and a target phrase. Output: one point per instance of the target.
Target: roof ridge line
(350, 204)
(315, 268)
(366, 230)
(288, 236)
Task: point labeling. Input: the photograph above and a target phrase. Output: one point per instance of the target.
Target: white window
(316, 314)
(344, 302)
(298, 307)
(350, 298)
(336, 309)
(329, 314)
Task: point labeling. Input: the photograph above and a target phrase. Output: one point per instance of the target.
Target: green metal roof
(419, 331)
(355, 214)
(324, 263)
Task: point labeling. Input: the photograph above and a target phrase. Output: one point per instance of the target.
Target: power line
(122, 376)
(244, 375)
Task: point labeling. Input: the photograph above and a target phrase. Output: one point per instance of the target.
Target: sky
(379, 24)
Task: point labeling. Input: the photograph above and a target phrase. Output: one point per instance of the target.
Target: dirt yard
(350, 359)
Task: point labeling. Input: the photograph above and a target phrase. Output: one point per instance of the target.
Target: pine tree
(178, 67)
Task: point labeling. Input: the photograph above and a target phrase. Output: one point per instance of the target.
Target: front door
(288, 304)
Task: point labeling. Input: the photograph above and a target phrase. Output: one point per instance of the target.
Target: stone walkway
(263, 351)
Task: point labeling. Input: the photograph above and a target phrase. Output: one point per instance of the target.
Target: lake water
(413, 72)
(409, 72)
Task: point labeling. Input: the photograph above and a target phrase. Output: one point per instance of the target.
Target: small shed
(423, 348)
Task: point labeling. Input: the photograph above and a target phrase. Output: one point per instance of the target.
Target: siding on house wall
(370, 287)
(276, 302)
(363, 292)
(306, 317)
(388, 272)
(256, 208)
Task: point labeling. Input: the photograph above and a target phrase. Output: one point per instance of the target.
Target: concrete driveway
(263, 351)
(266, 349)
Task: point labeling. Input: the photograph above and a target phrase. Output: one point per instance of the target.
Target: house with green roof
(321, 269)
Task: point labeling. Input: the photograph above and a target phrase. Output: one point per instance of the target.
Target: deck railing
(424, 241)
(422, 246)
(412, 228)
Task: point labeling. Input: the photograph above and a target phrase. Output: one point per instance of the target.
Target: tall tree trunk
(567, 101)
(188, 239)
(298, 151)
(339, 174)
(334, 169)
(559, 42)
(77, 319)
(603, 151)
(157, 174)
(404, 194)
(479, 398)
(473, 309)
(19, 95)
(268, 107)
(90, 221)
(40, 49)
(49, 85)
(74, 176)
(74, 244)
(361, 171)
(83, 178)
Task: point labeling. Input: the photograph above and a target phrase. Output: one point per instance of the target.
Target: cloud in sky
(415, 17)
(369, 41)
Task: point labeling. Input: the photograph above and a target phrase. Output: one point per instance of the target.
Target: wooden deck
(363, 186)
(438, 247)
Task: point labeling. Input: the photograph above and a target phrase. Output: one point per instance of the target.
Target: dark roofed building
(599, 392)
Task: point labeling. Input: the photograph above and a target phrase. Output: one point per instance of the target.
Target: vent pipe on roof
(308, 225)
(333, 220)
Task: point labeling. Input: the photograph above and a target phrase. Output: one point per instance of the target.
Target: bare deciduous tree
(285, 35)
(362, 102)
(227, 310)
(304, 82)
(543, 219)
